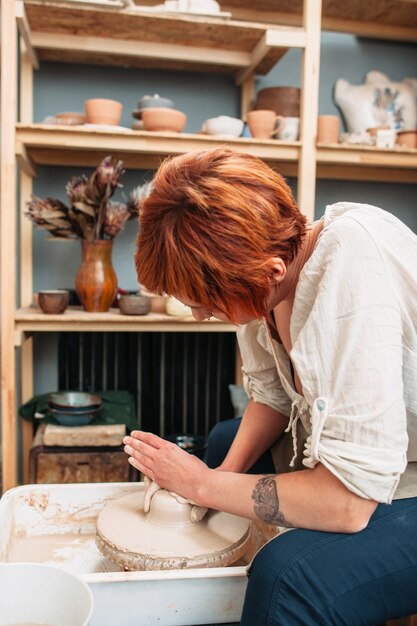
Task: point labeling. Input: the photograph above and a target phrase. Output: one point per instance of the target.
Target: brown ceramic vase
(96, 280)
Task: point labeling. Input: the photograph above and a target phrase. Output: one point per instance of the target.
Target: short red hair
(210, 226)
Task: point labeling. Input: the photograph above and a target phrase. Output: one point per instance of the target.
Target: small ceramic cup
(53, 301)
(328, 129)
(263, 123)
(103, 111)
(288, 128)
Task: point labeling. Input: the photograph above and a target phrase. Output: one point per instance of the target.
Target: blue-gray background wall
(61, 87)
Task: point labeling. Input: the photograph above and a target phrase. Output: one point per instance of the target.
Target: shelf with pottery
(362, 162)
(38, 144)
(74, 319)
(62, 31)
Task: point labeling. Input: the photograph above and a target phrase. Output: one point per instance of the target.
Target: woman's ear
(278, 270)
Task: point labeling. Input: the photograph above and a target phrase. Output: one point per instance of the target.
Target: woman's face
(201, 313)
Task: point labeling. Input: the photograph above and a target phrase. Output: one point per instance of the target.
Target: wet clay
(165, 538)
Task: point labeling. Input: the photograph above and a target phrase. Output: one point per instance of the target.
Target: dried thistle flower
(117, 215)
(52, 215)
(78, 194)
(105, 180)
(91, 215)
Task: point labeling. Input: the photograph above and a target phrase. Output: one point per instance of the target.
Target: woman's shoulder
(352, 218)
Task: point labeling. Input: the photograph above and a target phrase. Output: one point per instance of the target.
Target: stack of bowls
(73, 408)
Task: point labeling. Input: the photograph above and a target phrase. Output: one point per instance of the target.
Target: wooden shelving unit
(30, 320)
(250, 41)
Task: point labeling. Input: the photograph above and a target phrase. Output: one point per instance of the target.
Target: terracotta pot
(96, 280)
(103, 111)
(328, 129)
(284, 101)
(163, 119)
(407, 138)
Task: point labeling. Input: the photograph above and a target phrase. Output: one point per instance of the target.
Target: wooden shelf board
(381, 19)
(60, 31)
(349, 162)
(81, 146)
(75, 319)
(60, 145)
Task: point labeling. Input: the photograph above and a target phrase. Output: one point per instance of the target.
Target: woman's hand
(165, 463)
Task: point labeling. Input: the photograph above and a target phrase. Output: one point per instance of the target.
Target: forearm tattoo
(266, 502)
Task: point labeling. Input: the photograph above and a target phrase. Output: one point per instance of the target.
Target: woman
(326, 320)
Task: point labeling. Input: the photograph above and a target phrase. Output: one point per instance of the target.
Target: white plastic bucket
(42, 594)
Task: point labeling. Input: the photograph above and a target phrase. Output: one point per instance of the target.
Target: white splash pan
(56, 524)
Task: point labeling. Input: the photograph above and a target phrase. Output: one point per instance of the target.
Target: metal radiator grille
(179, 380)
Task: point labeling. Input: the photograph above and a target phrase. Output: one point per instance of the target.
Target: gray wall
(60, 87)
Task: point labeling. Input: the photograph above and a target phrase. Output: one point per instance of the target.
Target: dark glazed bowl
(134, 305)
(53, 301)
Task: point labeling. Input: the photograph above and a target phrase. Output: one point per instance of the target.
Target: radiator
(179, 380)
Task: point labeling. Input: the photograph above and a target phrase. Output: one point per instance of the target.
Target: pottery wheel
(165, 538)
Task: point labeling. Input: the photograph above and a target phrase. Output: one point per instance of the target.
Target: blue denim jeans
(309, 578)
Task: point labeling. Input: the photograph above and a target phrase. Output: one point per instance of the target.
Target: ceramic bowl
(407, 138)
(134, 305)
(74, 400)
(53, 301)
(223, 125)
(73, 418)
(103, 111)
(52, 595)
(161, 118)
(70, 118)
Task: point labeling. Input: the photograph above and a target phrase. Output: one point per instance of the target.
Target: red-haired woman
(326, 318)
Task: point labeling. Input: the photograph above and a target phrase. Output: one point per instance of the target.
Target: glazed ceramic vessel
(96, 280)
(134, 304)
(223, 125)
(53, 301)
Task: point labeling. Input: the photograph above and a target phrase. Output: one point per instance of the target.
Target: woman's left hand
(164, 462)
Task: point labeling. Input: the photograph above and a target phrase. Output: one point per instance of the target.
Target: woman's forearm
(311, 498)
(261, 426)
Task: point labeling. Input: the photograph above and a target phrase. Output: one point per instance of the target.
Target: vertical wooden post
(309, 108)
(8, 103)
(26, 257)
(247, 95)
